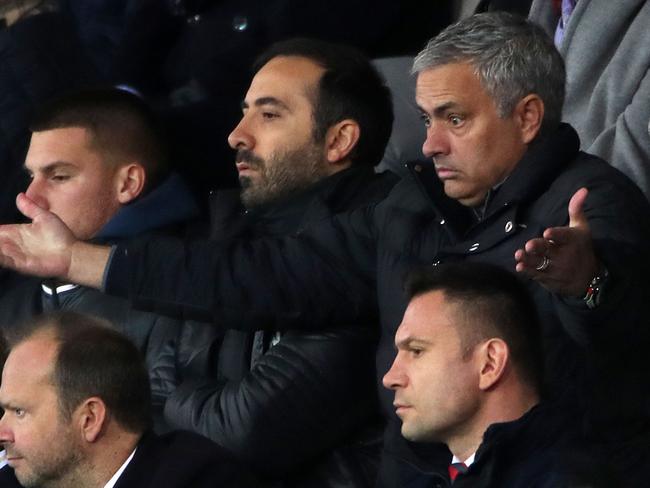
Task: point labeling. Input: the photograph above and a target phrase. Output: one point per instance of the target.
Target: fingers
(539, 246)
(562, 260)
(531, 264)
(577, 216)
(533, 257)
(9, 249)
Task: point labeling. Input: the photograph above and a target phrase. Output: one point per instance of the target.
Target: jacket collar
(532, 176)
(538, 168)
(169, 203)
(327, 196)
(542, 425)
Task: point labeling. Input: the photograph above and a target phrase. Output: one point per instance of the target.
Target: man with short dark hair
(468, 373)
(306, 146)
(97, 159)
(77, 413)
(94, 152)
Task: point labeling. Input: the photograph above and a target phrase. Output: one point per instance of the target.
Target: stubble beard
(284, 173)
(58, 471)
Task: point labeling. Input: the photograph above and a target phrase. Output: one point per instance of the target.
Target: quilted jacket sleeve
(280, 282)
(304, 396)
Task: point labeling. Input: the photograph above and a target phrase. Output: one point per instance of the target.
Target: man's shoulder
(600, 178)
(179, 459)
(357, 187)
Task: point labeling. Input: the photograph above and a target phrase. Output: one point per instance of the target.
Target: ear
(130, 180)
(494, 356)
(91, 417)
(340, 140)
(529, 114)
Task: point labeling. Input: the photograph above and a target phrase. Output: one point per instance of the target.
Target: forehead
(428, 317)
(70, 144)
(454, 82)
(29, 364)
(291, 79)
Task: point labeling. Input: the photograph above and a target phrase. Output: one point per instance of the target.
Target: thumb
(28, 207)
(577, 216)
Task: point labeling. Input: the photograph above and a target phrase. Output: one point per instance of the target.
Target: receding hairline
(48, 336)
(311, 90)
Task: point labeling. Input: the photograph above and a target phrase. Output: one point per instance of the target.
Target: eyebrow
(410, 341)
(49, 168)
(6, 405)
(266, 101)
(440, 109)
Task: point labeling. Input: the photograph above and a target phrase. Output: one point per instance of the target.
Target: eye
(415, 352)
(19, 412)
(269, 115)
(59, 178)
(455, 120)
(426, 120)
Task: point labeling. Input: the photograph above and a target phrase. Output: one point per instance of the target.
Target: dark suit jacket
(182, 460)
(7, 478)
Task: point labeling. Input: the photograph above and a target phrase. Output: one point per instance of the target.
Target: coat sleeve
(617, 214)
(321, 276)
(625, 142)
(307, 394)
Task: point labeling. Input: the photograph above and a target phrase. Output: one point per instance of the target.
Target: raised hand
(563, 260)
(42, 248)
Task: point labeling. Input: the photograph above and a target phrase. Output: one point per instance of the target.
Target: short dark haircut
(350, 88)
(122, 126)
(494, 303)
(94, 360)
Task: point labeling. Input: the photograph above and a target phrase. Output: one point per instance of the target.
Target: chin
(411, 434)
(468, 201)
(463, 198)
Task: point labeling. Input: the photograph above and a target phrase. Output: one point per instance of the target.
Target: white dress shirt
(468, 462)
(118, 473)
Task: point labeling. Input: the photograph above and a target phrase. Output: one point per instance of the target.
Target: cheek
(27, 438)
(82, 193)
(447, 385)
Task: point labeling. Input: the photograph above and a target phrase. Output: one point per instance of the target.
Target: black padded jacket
(303, 411)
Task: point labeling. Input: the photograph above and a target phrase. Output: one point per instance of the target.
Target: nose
(436, 143)
(241, 137)
(6, 435)
(36, 192)
(395, 377)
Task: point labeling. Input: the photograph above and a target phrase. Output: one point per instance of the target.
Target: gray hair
(512, 57)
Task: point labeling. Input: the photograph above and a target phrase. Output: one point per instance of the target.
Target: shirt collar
(467, 462)
(118, 473)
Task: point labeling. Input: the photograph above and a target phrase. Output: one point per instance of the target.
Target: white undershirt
(116, 476)
(3, 458)
(468, 462)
